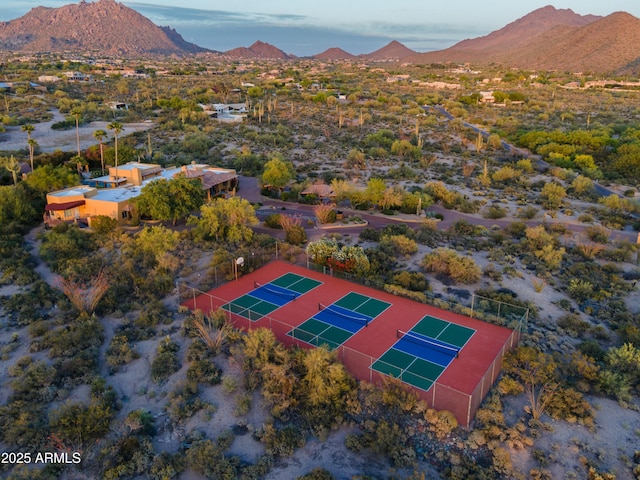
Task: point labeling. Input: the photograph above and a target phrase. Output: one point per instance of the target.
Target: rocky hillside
(259, 50)
(334, 54)
(552, 39)
(182, 44)
(392, 51)
(105, 26)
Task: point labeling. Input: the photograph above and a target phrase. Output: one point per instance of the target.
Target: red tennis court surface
(460, 388)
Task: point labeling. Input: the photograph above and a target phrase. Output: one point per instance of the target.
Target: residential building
(112, 195)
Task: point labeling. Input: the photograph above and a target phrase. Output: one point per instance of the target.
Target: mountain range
(545, 39)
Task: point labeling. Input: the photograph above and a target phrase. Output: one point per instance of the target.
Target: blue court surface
(420, 355)
(264, 299)
(334, 324)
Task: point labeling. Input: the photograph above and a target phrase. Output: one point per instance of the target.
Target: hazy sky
(358, 26)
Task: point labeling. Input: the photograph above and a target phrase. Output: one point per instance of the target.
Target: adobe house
(111, 195)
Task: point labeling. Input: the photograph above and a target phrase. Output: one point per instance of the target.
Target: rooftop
(73, 191)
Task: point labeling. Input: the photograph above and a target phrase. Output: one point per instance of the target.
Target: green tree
(48, 178)
(327, 387)
(117, 129)
(553, 193)
(17, 208)
(277, 173)
(537, 373)
(172, 199)
(226, 219)
(158, 242)
(322, 250)
(374, 192)
(391, 197)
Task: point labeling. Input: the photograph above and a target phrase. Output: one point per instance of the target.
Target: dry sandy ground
(51, 140)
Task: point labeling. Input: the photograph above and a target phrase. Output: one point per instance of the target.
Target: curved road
(250, 190)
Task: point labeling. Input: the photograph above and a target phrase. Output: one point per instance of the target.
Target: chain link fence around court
(497, 312)
(439, 396)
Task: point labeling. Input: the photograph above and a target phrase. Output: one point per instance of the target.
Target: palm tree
(76, 111)
(27, 127)
(117, 128)
(99, 135)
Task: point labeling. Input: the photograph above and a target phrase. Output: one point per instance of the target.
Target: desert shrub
(441, 422)
(573, 324)
(243, 405)
(569, 404)
(281, 442)
(506, 175)
(79, 425)
(400, 244)
(166, 361)
(273, 221)
(23, 424)
(597, 234)
(204, 371)
(415, 281)
(404, 292)
(494, 212)
(447, 262)
(166, 466)
(207, 459)
(317, 473)
(527, 213)
(296, 235)
(126, 457)
(64, 244)
(120, 352)
(385, 438)
(184, 402)
(369, 234)
(103, 225)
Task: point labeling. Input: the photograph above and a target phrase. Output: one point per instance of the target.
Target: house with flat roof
(111, 195)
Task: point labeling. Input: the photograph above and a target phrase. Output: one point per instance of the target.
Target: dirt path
(42, 268)
(50, 140)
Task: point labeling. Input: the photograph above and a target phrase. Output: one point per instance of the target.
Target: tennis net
(426, 342)
(274, 291)
(362, 320)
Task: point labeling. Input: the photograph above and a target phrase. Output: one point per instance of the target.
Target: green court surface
(371, 307)
(321, 334)
(296, 283)
(444, 331)
(254, 309)
(317, 332)
(417, 371)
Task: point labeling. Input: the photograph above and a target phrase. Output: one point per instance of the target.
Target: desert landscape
(499, 189)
